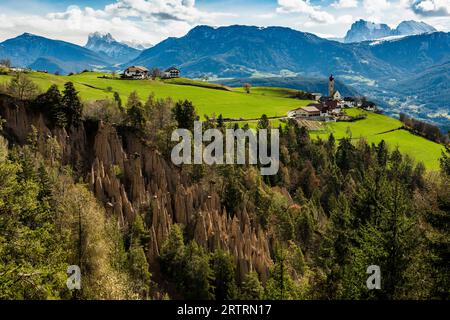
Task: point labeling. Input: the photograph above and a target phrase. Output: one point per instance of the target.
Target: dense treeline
(48, 222)
(427, 130)
(334, 209)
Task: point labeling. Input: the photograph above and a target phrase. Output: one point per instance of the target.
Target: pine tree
(220, 121)
(198, 276)
(280, 285)
(172, 254)
(72, 104)
(52, 102)
(139, 269)
(345, 155)
(224, 274)
(135, 111)
(185, 115)
(263, 123)
(435, 208)
(390, 239)
(251, 288)
(336, 249)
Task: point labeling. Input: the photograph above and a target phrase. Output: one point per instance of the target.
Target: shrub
(103, 110)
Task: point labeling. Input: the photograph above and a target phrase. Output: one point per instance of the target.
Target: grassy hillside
(372, 125)
(379, 127)
(197, 83)
(270, 92)
(206, 100)
(211, 98)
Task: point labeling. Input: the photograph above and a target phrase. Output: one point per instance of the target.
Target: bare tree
(21, 87)
(247, 87)
(5, 63)
(156, 73)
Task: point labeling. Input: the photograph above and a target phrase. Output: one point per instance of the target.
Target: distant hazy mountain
(115, 51)
(413, 27)
(365, 30)
(29, 49)
(138, 45)
(413, 54)
(431, 86)
(243, 51)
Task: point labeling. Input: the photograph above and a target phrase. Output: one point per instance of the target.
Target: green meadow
(373, 124)
(376, 128)
(208, 99)
(270, 92)
(237, 104)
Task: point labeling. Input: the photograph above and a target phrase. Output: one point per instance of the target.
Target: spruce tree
(263, 123)
(72, 104)
(52, 102)
(251, 288)
(224, 274)
(198, 276)
(135, 111)
(185, 115)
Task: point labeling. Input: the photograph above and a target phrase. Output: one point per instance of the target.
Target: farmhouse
(323, 108)
(350, 102)
(136, 72)
(304, 112)
(316, 96)
(171, 73)
(369, 106)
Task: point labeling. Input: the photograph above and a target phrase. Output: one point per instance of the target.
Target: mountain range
(114, 51)
(365, 30)
(243, 51)
(28, 50)
(375, 68)
(238, 51)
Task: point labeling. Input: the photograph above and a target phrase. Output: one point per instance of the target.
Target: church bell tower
(331, 87)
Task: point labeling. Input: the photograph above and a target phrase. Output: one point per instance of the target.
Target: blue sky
(150, 21)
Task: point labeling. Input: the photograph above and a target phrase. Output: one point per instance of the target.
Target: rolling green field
(235, 103)
(374, 124)
(231, 104)
(379, 127)
(417, 147)
(270, 92)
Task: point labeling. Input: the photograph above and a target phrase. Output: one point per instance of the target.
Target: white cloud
(346, 19)
(128, 20)
(181, 10)
(345, 4)
(431, 7)
(376, 6)
(305, 7)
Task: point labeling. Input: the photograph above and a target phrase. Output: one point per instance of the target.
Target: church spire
(331, 87)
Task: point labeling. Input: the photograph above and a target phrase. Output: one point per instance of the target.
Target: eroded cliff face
(129, 177)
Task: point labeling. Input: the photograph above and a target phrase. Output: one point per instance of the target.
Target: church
(335, 95)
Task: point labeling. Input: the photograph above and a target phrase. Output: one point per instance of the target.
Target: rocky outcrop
(129, 177)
